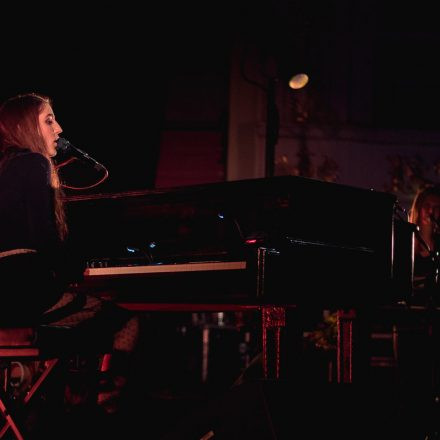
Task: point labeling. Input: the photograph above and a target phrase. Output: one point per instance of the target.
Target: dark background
(121, 75)
(108, 71)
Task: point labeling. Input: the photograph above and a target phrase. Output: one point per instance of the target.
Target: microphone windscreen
(62, 144)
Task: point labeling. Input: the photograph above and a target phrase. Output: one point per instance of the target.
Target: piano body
(280, 240)
(270, 244)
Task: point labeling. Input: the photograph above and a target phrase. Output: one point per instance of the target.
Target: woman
(425, 213)
(34, 266)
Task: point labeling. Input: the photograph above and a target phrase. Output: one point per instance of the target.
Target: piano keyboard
(165, 268)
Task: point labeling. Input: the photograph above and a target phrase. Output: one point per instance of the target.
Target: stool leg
(49, 365)
(9, 421)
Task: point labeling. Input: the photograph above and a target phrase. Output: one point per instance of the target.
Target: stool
(19, 344)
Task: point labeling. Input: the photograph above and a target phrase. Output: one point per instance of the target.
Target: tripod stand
(429, 300)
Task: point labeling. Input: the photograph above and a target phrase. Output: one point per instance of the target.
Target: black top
(33, 282)
(27, 218)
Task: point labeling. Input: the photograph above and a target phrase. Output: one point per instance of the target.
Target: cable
(71, 159)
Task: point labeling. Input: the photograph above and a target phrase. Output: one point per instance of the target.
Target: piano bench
(44, 346)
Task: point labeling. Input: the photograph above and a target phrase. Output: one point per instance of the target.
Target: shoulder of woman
(30, 158)
(29, 166)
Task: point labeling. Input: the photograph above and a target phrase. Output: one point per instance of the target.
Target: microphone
(64, 146)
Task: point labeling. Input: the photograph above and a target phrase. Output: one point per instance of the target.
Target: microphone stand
(67, 153)
(432, 280)
(432, 286)
(432, 289)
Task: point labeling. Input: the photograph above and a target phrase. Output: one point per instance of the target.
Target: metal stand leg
(344, 362)
(273, 318)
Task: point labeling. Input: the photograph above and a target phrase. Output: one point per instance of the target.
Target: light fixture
(298, 81)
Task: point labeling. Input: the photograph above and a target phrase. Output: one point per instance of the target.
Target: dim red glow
(251, 241)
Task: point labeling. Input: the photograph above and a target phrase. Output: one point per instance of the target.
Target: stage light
(298, 81)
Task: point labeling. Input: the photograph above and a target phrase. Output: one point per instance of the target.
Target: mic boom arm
(64, 146)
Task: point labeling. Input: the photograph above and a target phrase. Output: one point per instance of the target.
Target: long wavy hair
(419, 200)
(19, 129)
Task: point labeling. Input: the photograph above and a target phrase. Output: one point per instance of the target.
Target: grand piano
(268, 243)
(275, 240)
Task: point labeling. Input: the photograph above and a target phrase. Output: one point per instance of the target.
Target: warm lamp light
(298, 81)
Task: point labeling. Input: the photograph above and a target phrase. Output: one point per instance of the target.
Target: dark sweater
(30, 283)
(27, 218)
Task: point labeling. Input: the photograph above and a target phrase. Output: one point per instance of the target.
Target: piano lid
(219, 221)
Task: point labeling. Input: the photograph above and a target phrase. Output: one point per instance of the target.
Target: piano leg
(344, 348)
(273, 318)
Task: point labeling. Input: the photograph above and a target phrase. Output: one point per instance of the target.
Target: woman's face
(49, 129)
(430, 209)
